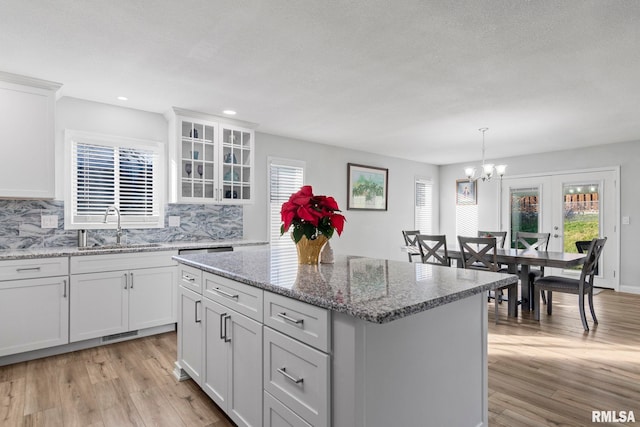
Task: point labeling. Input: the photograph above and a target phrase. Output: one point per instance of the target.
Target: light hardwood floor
(540, 374)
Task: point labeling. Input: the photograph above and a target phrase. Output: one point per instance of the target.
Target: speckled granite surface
(38, 252)
(375, 290)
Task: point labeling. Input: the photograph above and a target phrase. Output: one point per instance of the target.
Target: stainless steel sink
(119, 246)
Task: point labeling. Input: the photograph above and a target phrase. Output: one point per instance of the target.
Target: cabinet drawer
(276, 414)
(125, 261)
(237, 296)
(302, 321)
(33, 268)
(190, 278)
(298, 376)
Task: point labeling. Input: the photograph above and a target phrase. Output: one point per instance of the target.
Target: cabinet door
(237, 164)
(152, 297)
(99, 305)
(190, 333)
(27, 135)
(244, 403)
(216, 352)
(197, 160)
(34, 314)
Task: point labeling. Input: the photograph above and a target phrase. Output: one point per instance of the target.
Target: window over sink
(105, 170)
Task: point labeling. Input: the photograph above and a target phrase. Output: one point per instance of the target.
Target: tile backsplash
(20, 222)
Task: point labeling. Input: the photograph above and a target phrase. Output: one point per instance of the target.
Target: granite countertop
(371, 289)
(7, 254)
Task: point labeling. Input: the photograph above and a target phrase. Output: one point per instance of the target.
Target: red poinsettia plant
(311, 215)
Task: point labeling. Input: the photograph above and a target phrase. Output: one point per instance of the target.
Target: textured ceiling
(412, 79)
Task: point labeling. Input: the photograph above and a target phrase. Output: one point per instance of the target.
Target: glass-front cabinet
(213, 161)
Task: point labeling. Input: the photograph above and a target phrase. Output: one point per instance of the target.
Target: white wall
(626, 155)
(367, 233)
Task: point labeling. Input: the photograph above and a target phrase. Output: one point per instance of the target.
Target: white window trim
(115, 141)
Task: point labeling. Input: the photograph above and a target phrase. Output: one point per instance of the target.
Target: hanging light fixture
(488, 169)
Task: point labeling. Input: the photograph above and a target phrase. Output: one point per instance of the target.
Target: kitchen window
(285, 178)
(103, 171)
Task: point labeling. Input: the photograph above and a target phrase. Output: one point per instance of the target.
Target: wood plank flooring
(549, 373)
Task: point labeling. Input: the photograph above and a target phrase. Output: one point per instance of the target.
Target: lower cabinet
(119, 301)
(277, 415)
(34, 314)
(232, 375)
(190, 333)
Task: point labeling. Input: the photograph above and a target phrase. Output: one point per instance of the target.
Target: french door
(572, 207)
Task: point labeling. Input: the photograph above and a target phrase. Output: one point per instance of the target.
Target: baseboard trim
(81, 345)
(629, 289)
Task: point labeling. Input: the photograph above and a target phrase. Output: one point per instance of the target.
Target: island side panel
(429, 368)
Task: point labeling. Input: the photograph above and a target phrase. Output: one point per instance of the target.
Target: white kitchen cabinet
(27, 135)
(190, 333)
(115, 301)
(233, 363)
(211, 159)
(34, 314)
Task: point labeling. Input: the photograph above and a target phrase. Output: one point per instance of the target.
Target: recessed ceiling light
(229, 112)
(123, 98)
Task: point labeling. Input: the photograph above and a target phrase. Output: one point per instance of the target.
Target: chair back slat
(590, 267)
(583, 247)
(533, 241)
(478, 253)
(433, 249)
(410, 240)
(499, 235)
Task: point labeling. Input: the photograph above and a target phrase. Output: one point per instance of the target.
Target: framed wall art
(466, 192)
(367, 187)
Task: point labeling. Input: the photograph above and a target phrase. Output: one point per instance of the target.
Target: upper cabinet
(211, 159)
(27, 132)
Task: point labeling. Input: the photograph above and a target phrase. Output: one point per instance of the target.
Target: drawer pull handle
(27, 269)
(126, 281)
(226, 294)
(131, 287)
(188, 278)
(293, 379)
(196, 312)
(290, 319)
(64, 295)
(226, 336)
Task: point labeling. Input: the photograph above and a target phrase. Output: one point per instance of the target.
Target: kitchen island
(361, 342)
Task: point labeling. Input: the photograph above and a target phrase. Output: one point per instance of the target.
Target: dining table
(520, 261)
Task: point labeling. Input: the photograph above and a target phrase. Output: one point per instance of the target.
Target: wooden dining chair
(500, 236)
(537, 242)
(582, 286)
(410, 240)
(433, 249)
(479, 253)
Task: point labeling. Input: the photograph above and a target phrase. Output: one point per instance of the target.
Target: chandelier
(488, 169)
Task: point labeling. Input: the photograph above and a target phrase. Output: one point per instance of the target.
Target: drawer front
(126, 261)
(240, 297)
(190, 278)
(302, 321)
(298, 376)
(33, 268)
(278, 415)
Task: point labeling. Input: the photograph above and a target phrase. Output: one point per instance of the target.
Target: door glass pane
(525, 211)
(581, 214)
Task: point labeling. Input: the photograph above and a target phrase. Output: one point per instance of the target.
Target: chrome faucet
(118, 229)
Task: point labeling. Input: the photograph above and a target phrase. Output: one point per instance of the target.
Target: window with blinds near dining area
(424, 201)
(111, 171)
(285, 178)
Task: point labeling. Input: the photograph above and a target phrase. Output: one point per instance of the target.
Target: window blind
(285, 178)
(424, 202)
(107, 174)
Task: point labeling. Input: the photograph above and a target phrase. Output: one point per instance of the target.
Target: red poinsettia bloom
(311, 215)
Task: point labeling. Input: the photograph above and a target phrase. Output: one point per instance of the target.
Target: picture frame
(367, 187)
(466, 192)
